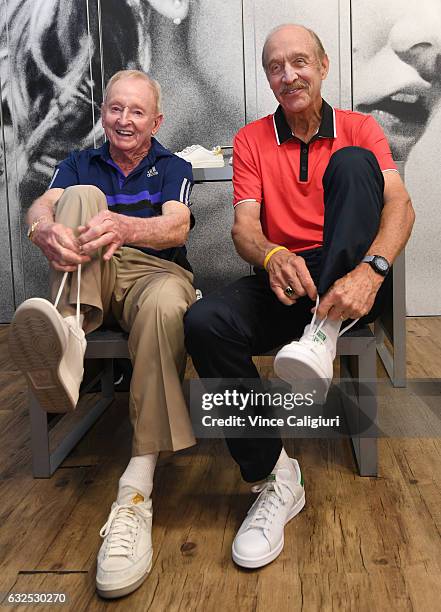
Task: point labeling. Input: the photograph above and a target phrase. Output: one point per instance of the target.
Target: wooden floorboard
(360, 544)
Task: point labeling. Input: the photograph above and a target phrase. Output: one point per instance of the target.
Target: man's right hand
(287, 269)
(59, 246)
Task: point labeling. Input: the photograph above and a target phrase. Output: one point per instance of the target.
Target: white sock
(137, 478)
(284, 462)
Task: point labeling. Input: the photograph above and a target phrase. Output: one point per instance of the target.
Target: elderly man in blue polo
(113, 224)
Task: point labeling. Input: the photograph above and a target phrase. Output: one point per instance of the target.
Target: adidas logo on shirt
(152, 172)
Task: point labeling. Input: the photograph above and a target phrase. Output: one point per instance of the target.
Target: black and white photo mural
(59, 53)
(397, 78)
(56, 55)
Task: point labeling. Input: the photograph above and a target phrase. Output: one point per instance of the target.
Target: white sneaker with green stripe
(310, 360)
(260, 538)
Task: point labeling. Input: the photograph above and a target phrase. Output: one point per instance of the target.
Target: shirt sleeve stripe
(183, 186)
(247, 200)
(187, 194)
(54, 177)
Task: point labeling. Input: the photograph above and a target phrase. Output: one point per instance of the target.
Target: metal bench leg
(39, 439)
(107, 386)
(367, 371)
(361, 408)
(45, 462)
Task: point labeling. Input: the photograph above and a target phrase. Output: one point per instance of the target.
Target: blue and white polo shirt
(158, 178)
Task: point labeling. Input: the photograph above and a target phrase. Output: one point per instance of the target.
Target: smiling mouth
(124, 133)
(400, 111)
(292, 91)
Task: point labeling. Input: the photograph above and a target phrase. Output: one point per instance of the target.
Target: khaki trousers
(148, 297)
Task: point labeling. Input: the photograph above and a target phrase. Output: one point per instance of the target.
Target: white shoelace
(271, 496)
(313, 330)
(121, 527)
(189, 149)
(60, 290)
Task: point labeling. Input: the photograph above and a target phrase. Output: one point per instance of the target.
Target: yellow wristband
(271, 253)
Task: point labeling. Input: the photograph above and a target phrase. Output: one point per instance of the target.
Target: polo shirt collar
(327, 128)
(156, 151)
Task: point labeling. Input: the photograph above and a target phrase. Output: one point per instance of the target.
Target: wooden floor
(361, 544)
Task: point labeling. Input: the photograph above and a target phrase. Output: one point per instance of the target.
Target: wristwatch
(377, 263)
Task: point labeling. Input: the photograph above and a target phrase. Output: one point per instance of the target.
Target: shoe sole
(302, 368)
(125, 589)
(252, 562)
(212, 164)
(36, 345)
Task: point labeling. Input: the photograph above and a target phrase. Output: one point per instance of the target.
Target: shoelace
(121, 525)
(63, 282)
(189, 149)
(271, 496)
(315, 330)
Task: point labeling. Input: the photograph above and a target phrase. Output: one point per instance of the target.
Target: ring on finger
(289, 291)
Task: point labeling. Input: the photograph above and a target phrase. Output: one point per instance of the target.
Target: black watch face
(381, 264)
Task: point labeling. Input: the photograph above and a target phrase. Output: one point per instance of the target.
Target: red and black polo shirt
(284, 174)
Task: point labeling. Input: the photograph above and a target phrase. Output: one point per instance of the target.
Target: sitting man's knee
(351, 157)
(350, 162)
(84, 189)
(85, 195)
(80, 197)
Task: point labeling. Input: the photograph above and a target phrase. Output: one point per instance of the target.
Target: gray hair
(142, 76)
(318, 43)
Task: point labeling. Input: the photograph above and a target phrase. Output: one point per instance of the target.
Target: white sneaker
(260, 538)
(310, 359)
(49, 350)
(199, 157)
(125, 557)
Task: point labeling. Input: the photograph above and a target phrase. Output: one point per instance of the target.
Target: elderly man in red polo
(321, 213)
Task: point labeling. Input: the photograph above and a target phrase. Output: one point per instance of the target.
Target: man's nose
(289, 73)
(124, 116)
(417, 41)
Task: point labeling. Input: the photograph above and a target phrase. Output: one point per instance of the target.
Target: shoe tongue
(137, 499)
(312, 334)
(271, 480)
(319, 337)
(284, 477)
(73, 328)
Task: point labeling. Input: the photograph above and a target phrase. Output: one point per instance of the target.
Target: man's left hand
(352, 296)
(104, 229)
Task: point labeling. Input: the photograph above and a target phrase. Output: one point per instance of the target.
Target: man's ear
(158, 122)
(324, 66)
